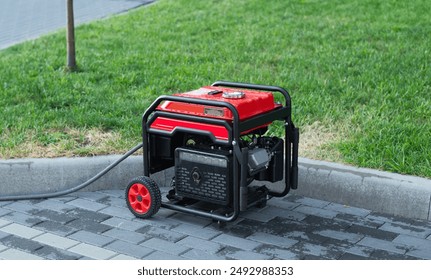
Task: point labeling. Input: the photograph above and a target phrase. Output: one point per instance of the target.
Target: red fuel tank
(249, 103)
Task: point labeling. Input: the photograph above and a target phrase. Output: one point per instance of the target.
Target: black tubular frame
(234, 131)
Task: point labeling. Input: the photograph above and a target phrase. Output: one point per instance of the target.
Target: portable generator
(215, 138)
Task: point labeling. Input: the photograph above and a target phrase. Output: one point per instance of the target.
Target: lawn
(358, 72)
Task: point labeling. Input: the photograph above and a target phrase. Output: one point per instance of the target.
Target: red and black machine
(215, 139)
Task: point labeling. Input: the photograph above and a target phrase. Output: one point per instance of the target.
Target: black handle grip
(256, 87)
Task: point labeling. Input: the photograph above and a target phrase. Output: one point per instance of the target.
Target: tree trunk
(71, 57)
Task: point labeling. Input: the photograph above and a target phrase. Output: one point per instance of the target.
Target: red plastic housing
(252, 103)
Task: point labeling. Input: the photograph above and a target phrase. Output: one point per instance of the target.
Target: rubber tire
(155, 197)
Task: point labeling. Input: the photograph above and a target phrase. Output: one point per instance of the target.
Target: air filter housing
(203, 175)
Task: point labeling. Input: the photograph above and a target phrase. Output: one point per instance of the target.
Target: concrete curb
(405, 196)
(401, 195)
(33, 176)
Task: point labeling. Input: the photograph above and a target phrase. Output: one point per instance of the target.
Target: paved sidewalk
(98, 225)
(21, 20)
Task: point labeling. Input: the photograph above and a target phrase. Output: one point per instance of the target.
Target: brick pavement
(98, 225)
(21, 20)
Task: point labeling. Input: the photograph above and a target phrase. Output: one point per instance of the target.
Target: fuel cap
(234, 95)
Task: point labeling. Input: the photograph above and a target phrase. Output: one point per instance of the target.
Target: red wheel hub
(139, 198)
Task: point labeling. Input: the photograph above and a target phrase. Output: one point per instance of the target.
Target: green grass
(360, 68)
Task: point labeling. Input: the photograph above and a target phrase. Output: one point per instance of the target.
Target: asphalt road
(22, 20)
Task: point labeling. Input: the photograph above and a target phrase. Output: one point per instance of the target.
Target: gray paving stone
(31, 201)
(3, 203)
(277, 252)
(357, 220)
(82, 214)
(196, 231)
(157, 255)
(2, 248)
(247, 227)
(282, 203)
(372, 232)
(165, 246)
(21, 231)
(4, 222)
(87, 204)
(22, 207)
(271, 239)
(420, 253)
(91, 238)
(123, 224)
(348, 209)
(190, 219)
(55, 227)
(165, 213)
(157, 221)
(196, 254)
(55, 205)
(51, 253)
(287, 214)
(3, 234)
(126, 235)
(413, 242)
(315, 203)
(93, 196)
(398, 220)
(203, 245)
(64, 198)
(315, 222)
(51, 215)
(129, 249)
(306, 249)
(241, 230)
(89, 225)
(257, 216)
(55, 241)
(385, 255)
(114, 193)
(408, 230)
(119, 212)
(309, 210)
(383, 245)
(20, 243)
(360, 250)
(122, 257)
(4, 212)
(112, 201)
(92, 251)
(340, 235)
(236, 242)
(23, 219)
(350, 256)
(164, 234)
(14, 254)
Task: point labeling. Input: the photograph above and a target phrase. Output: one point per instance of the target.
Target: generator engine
(216, 140)
(204, 172)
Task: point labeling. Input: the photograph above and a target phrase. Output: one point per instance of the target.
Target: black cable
(77, 188)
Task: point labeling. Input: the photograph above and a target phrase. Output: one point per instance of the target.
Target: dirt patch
(315, 140)
(67, 143)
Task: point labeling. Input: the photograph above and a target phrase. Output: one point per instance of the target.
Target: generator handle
(235, 137)
(256, 87)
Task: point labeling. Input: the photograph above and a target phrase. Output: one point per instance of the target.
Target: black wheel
(143, 197)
